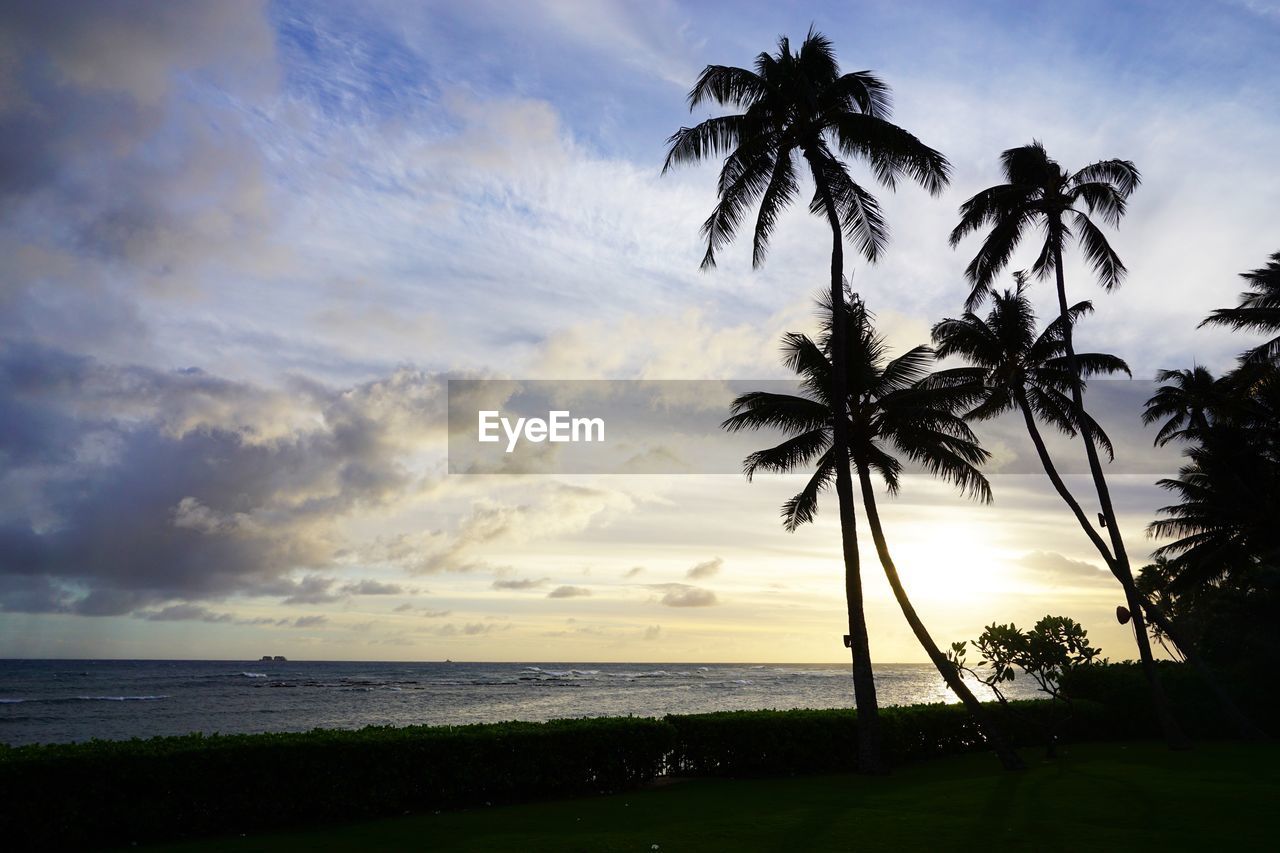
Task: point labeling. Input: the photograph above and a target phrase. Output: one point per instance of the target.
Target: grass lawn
(1218, 797)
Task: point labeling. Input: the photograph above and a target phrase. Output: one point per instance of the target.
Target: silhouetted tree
(1218, 576)
(1225, 520)
(1184, 401)
(1039, 193)
(1259, 310)
(1020, 370)
(797, 106)
(1013, 368)
(889, 413)
(1051, 650)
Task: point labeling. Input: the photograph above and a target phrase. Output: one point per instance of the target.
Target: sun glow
(948, 561)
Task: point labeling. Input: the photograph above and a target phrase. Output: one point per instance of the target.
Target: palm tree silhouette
(1259, 310)
(797, 105)
(1039, 192)
(1016, 369)
(889, 413)
(1184, 400)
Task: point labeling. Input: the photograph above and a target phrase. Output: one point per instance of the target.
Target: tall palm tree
(889, 414)
(1020, 370)
(797, 105)
(1039, 192)
(1259, 310)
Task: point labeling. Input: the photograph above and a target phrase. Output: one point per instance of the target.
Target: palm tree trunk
(1173, 734)
(1046, 461)
(994, 733)
(870, 750)
(1243, 725)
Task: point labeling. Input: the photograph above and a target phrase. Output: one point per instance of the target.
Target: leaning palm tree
(796, 106)
(1017, 369)
(1039, 193)
(889, 413)
(1259, 310)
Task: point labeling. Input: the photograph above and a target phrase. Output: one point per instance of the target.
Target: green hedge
(117, 792)
(733, 743)
(1122, 688)
(122, 791)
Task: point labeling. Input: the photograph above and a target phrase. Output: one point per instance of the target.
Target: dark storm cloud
(128, 488)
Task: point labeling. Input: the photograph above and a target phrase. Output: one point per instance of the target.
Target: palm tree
(797, 105)
(1185, 400)
(889, 413)
(1259, 310)
(1019, 370)
(1039, 192)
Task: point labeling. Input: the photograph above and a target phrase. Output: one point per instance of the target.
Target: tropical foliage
(860, 413)
(892, 414)
(798, 105)
(1218, 571)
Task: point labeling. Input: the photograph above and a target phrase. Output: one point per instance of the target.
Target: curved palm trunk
(1173, 733)
(994, 733)
(1243, 725)
(870, 758)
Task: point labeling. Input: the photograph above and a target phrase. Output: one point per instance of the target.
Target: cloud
(632, 572)
(310, 621)
(312, 589)
(372, 587)
(520, 583)
(140, 486)
(1057, 570)
(652, 632)
(470, 629)
(184, 613)
(705, 569)
(684, 595)
(569, 592)
(552, 509)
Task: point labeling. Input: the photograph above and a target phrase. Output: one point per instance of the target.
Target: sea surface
(47, 701)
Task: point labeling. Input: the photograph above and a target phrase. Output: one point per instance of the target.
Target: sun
(948, 561)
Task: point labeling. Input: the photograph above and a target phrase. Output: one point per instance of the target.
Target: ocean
(48, 701)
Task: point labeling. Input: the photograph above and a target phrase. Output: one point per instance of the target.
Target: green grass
(1135, 796)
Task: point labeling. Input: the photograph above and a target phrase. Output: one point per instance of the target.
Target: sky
(247, 245)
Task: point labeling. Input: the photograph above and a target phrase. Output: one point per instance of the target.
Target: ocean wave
(254, 674)
(52, 699)
(537, 673)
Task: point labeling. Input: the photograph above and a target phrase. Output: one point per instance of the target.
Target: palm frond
(728, 86)
(1123, 175)
(1098, 252)
(780, 192)
(715, 137)
(788, 455)
(803, 508)
(891, 151)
